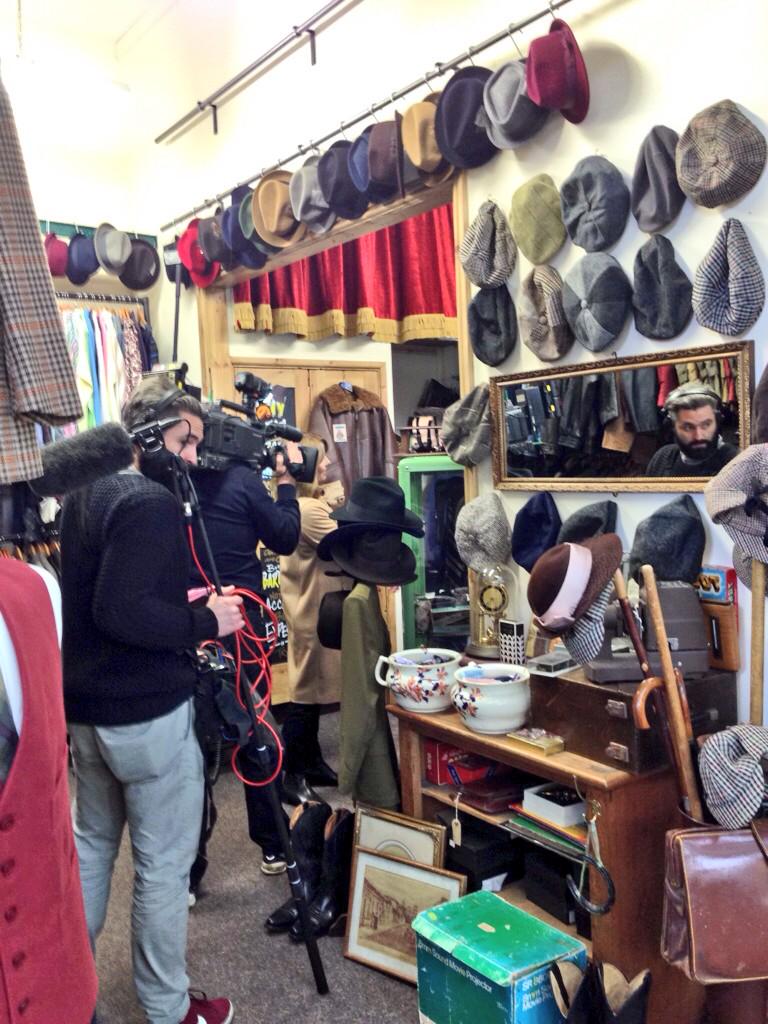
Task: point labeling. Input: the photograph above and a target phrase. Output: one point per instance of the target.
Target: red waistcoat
(47, 974)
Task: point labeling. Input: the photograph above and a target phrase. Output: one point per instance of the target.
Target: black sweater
(669, 462)
(128, 629)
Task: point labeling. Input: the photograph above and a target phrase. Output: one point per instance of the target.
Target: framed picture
(400, 836)
(386, 894)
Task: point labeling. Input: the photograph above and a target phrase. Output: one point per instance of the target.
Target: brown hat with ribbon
(420, 141)
(273, 216)
(567, 580)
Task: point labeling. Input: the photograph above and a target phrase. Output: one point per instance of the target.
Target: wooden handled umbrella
(757, 647)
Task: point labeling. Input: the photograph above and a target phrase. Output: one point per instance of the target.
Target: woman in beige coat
(314, 671)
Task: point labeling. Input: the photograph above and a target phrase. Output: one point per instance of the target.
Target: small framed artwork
(400, 836)
(385, 896)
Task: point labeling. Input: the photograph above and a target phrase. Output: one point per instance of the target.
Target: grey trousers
(149, 775)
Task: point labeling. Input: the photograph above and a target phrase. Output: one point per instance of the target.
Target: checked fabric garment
(37, 383)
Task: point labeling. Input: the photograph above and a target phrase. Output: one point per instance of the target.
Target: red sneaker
(208, 1011)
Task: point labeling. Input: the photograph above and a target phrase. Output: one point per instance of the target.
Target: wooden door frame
(279, 362)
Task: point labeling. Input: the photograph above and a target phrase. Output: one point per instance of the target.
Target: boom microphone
(81, 460)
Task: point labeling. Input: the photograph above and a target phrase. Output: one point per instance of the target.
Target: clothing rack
(121, 300)
(441, 68)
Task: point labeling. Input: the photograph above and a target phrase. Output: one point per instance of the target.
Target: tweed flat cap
(535, 219)
(672, 540)
(737, 499)
(492, 325)
(483, 536)
(597, 297)
(720, 155)
(584, 639)
(543, 326)
(467, 428)
(662, 291)
(488, 252)
(735, 785)
(656, 196)
(535, 529)
(595, 204)
(507, 114)
(729, 288)
(589, 521)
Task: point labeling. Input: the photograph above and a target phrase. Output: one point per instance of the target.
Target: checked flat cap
(729, 288)
(597, 297)
(737, 499)
(488, 252)
(543, 326)
(720, 155)
(732, 774)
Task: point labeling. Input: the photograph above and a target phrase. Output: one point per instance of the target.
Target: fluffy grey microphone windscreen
(80, 460)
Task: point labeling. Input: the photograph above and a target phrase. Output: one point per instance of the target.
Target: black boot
(332, 895)
(307, 838)
(321, 774)
(599, 995)
(626, 1001)
(295, 790)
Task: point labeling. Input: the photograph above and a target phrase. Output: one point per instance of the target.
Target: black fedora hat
(369, 554)
(143, 267)
(380, 502)
(462, 141)
(336, 182)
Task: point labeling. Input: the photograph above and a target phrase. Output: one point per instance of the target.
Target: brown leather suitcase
(595, 720)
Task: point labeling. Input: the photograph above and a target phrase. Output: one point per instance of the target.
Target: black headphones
(703, 391)
(149, 434)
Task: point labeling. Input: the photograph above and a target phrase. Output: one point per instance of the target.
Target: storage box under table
(481, 959)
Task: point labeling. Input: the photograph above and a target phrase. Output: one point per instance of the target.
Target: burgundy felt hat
(194, 259)
(556, 75)
(56, 254)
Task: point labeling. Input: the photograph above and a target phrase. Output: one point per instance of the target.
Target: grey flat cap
(543, 326)
(467, 428)
(662, 291)
(535, 219)
(597, 297)
(656, 196)
(508, 115)
(720, 155)
(595, 204)
(488, 252)
(483, 533)
(307, 200)
(492, 325)
(589, 521)
(672, 540)
(729, 288)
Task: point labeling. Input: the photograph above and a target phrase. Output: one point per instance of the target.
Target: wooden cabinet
(635, 813)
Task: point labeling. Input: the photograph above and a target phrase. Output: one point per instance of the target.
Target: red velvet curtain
(395, 284)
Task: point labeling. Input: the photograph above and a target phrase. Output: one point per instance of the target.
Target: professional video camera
(252, 441)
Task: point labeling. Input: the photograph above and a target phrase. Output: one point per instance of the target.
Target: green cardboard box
(481, 959)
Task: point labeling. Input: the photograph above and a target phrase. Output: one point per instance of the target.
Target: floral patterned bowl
(420, 678)
(492, 698)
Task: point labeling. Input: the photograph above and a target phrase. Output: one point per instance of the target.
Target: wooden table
(635, 813)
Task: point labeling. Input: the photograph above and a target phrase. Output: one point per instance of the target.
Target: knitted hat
(483, 537)
(656, 196)
(662, 292)
(492, 325)
(729, 288)
(535, 219)
(467, 428)
(597, 297)
(595, 203)
(507, 114)
(535, 529)
(730, 763)
(737, 499)
(590, 521)
(543, 326)
(720, 155)
(488, 252)
(567, 580)
(672, 540)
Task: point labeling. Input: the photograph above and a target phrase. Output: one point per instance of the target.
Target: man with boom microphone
(129, 635)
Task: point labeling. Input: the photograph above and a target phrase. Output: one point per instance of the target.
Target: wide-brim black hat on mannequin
(374, 555)
(377, 501)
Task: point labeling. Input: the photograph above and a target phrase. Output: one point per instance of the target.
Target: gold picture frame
(385, 895)
(399, 835)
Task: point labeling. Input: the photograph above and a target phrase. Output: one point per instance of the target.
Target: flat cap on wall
(536, 220)
(662, 291)
(729, 288)
(492, 325)
(672, 540)
(543, 324)
(597, 297)
(467, 427)
(656, 195)
(488, 252)
(483, 535)
(594, 200)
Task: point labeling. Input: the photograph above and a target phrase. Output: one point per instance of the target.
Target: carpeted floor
(229, 954)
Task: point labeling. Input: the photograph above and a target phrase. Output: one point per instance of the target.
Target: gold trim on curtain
(335, 322)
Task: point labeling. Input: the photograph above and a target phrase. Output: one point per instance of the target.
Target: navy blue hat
(460, 139)
(81, 259)
(245, 253)
(360, 172)
(535, 531)
(336, 183)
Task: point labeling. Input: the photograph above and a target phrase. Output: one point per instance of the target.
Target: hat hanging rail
(66, 230)
(212, 101)
(440, 68)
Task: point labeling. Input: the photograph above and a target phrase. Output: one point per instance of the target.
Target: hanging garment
(357, 430)
(37, 383)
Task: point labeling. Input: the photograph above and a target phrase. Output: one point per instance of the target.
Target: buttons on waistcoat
(11, 914)
(7, 867)
(7, 822)
(18, 959)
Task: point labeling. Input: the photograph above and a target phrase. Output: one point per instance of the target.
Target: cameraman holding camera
(239, 513)
(129, 677)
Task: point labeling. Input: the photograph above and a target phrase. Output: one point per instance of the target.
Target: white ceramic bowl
(493, 698)
(419, 681)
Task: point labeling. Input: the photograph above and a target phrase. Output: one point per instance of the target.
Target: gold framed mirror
(609, 425)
